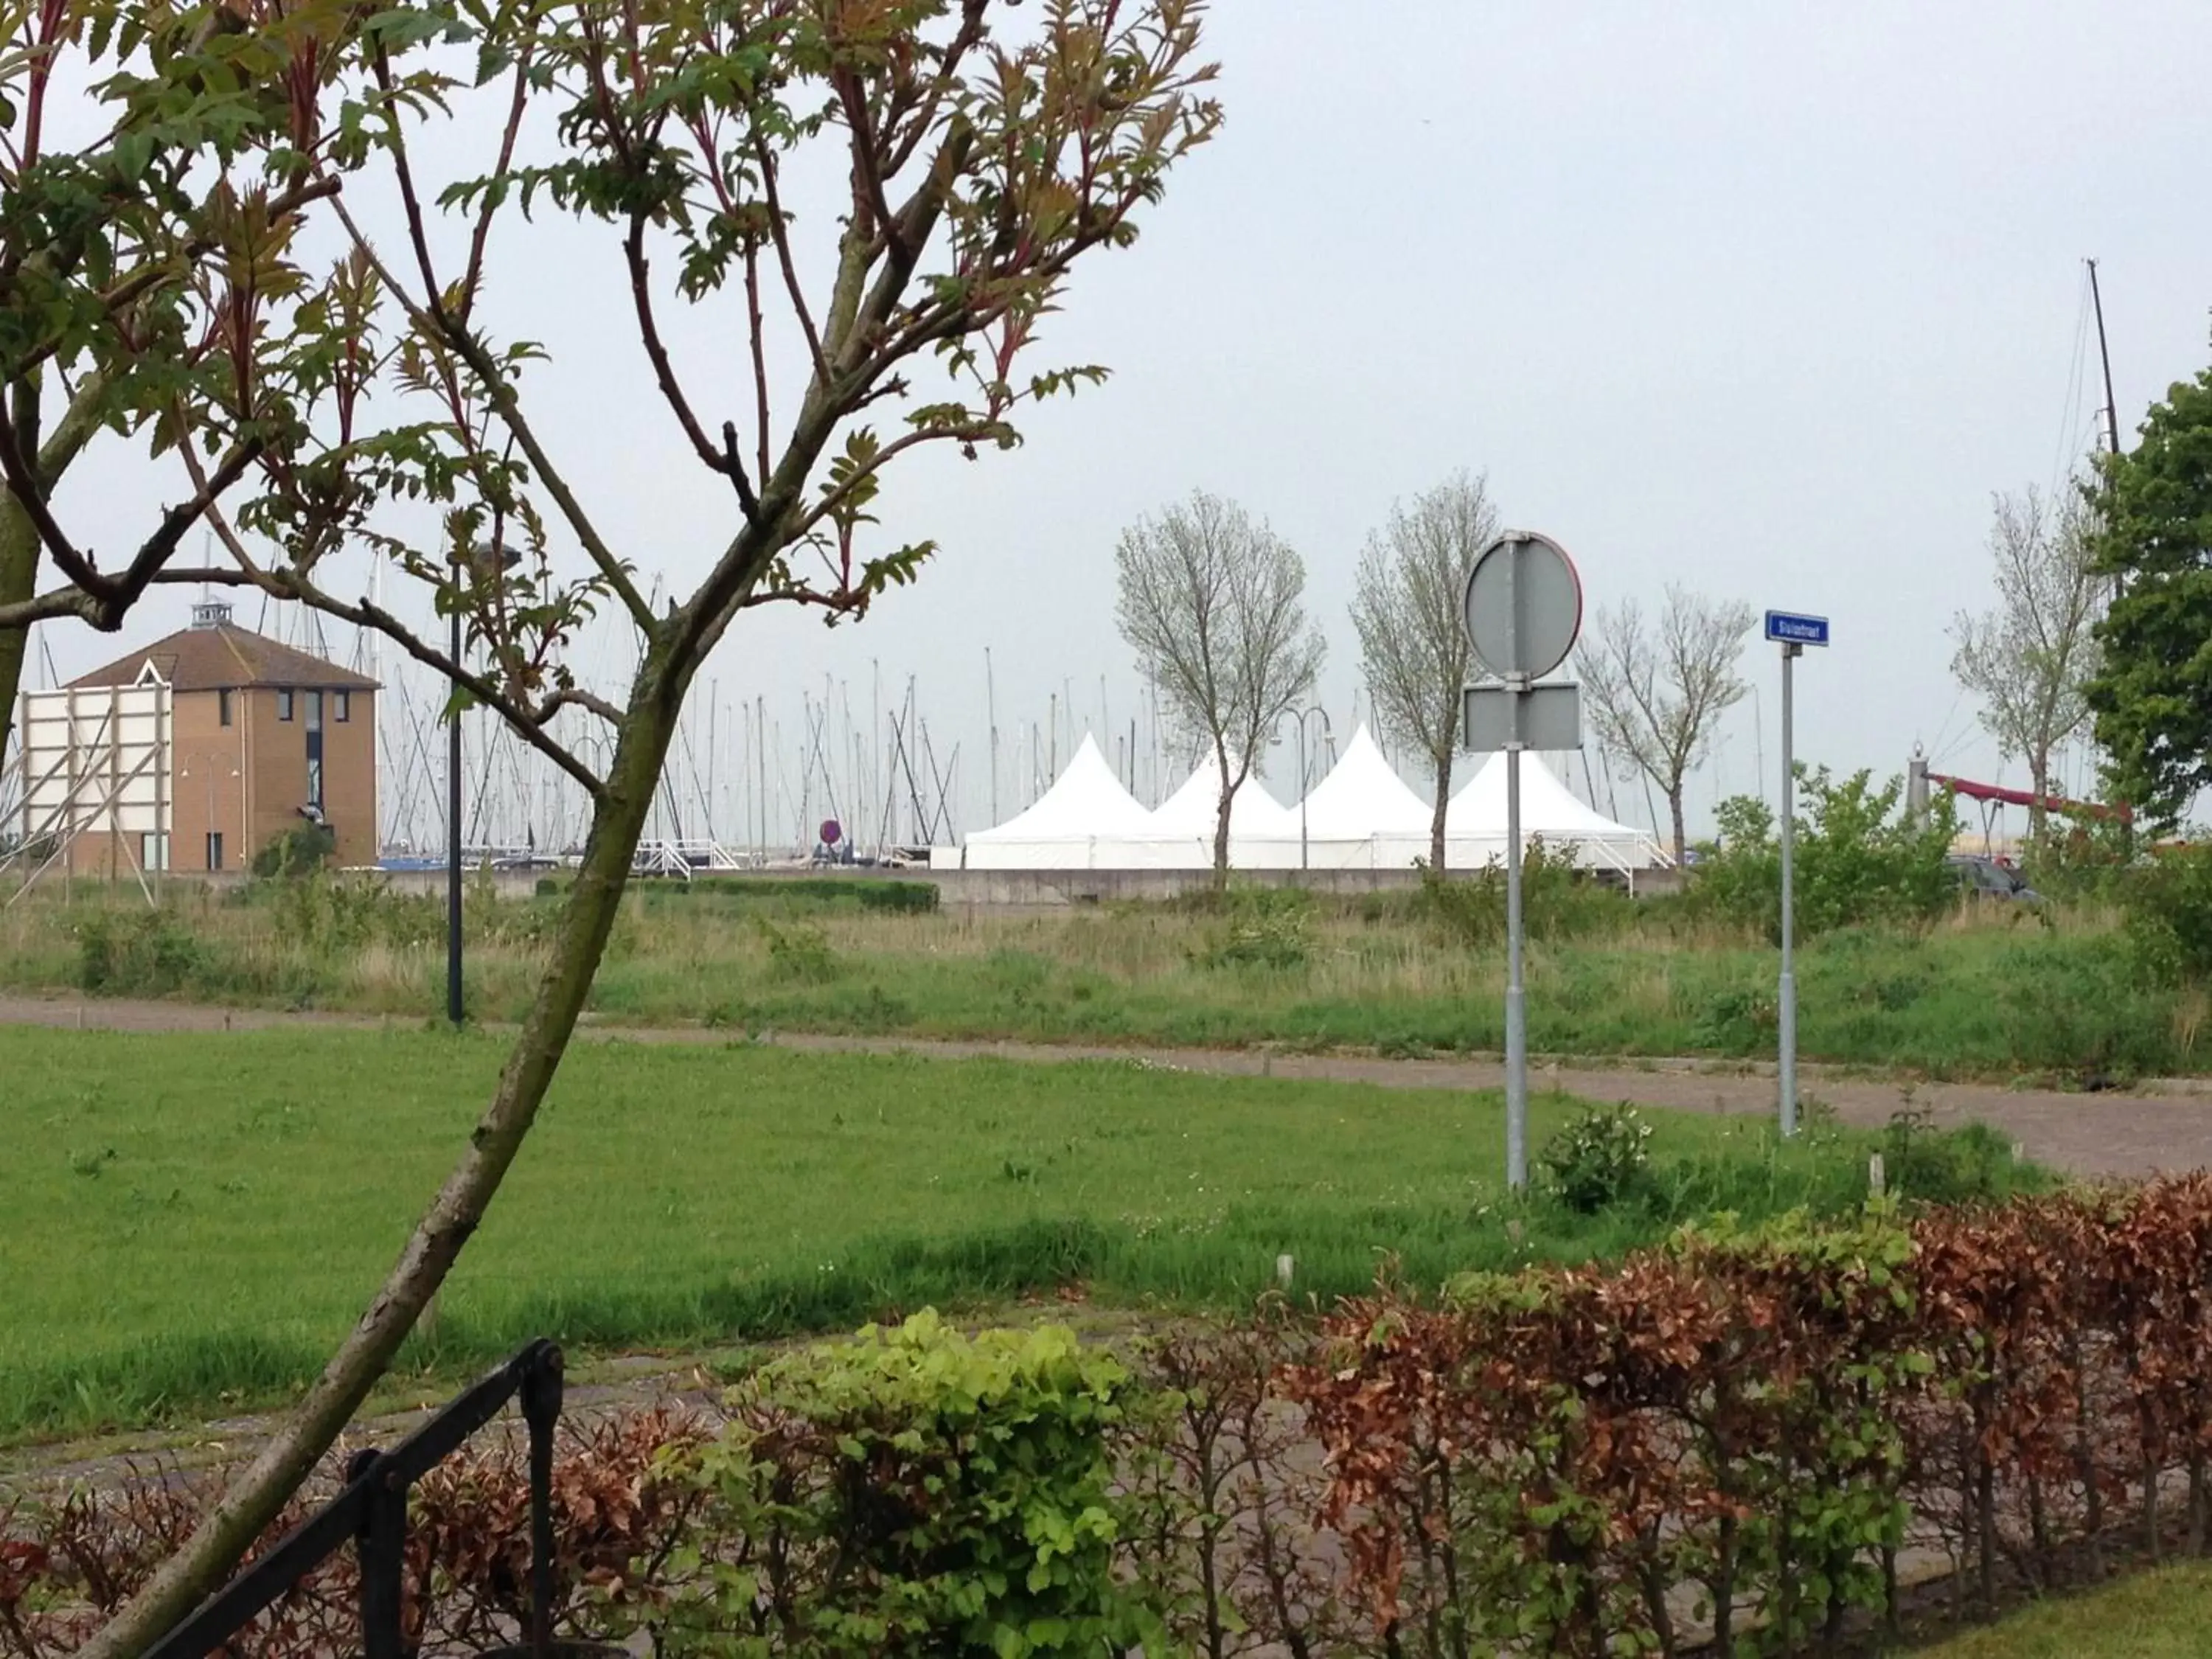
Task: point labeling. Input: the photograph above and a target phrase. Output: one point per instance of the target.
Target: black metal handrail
(371, 1510)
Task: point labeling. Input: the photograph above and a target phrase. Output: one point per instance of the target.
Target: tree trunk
(1221, 819)
(1681, 836)
(1437, 818)
(254, 1498)
(19, 538)
(2038, 775)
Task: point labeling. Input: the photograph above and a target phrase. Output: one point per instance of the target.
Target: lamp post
(209, 772)
(1299, 717)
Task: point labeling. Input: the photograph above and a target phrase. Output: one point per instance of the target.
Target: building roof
(226, 656)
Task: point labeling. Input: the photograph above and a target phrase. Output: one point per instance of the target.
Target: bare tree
(1214, 604)
(2029, 657)
(383, 413)
(1656, 691)
(1408, 609)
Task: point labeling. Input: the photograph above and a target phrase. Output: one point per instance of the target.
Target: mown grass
(1994, 994)
(190, 1220)
(2162, 1615)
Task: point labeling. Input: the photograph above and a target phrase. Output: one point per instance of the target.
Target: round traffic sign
(1523, 606)
(832, 832)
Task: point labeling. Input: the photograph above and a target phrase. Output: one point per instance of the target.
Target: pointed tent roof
(1086, 802)
(1191, 810)
(1362, 797)
(1547, 809)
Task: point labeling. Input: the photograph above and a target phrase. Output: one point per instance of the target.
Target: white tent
(1263, 835)
(1362, 816)
(1475, 822)
(1086, 821)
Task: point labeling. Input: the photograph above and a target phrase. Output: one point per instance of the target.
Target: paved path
(2163, 1124)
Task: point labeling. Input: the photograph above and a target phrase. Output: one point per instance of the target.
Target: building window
(314, 711)
(215, 850)
(341, 706)
(153, 852)
(284, 705)
(222, 707)
(315, 782)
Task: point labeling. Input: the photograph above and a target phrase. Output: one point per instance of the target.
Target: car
(1982, 879)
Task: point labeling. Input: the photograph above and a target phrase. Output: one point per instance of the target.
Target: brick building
(193, 753)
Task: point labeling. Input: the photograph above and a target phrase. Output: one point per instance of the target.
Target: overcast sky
(1766, 300)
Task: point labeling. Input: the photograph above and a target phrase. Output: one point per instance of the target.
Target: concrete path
(2165, 1125)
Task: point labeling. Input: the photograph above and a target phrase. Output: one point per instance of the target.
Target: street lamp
(208, 771)
(1299, 717)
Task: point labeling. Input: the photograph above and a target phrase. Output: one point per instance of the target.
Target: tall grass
(192, 1219)
(1987, 994)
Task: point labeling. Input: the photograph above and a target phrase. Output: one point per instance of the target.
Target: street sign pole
(1786, 998)
(1523, 608)
(1516, 1007)
(1793, 634)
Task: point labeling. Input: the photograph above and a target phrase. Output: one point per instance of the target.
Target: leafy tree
(974, 167)
(1656, 691)
(1408, 608)
(150, 281)
(1861, 856)
(2029, 658)
(2152, 693)
(1213, 602)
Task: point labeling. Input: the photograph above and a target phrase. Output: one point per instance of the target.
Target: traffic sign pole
(1793, 634)
(1516, 1007)
(1523, 608)
(1786, 994)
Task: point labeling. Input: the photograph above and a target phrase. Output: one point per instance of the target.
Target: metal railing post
(541, 1410)
(381, 1542)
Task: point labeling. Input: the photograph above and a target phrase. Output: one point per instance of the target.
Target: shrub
(1859, 858)
(135, 953)
(1559, 901)
(912, 1493)
(2168, 902)
(1261, 927)
(1597, 1160)
(299, 851)
(796, 953)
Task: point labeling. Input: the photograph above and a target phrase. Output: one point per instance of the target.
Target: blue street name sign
(1789, 629)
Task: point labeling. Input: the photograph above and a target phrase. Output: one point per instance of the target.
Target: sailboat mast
(2104, 356)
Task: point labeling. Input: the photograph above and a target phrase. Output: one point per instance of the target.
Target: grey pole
(1787, 998)
(455, 1011)
(1517, 1018)
(1302, 790)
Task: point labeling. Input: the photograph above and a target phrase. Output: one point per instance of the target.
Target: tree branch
(664, 372)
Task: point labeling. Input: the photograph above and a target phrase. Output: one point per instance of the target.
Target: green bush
(798, 954)
(141, 953)
(1559, 901)
(299, 851)
(1599, 1159)
(1261, 927)
(1859, 858)
(2168, 904)
(912, 1493)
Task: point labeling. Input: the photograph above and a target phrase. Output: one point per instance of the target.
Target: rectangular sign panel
(1550, 717)
(1786, 628)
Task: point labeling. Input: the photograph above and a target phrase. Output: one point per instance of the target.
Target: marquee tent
(1263, 835)
(1362, 816)
(1086, 821)
(1475, 822)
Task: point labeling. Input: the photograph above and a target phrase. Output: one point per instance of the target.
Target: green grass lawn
(194, 1219)
(2166, 1614)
